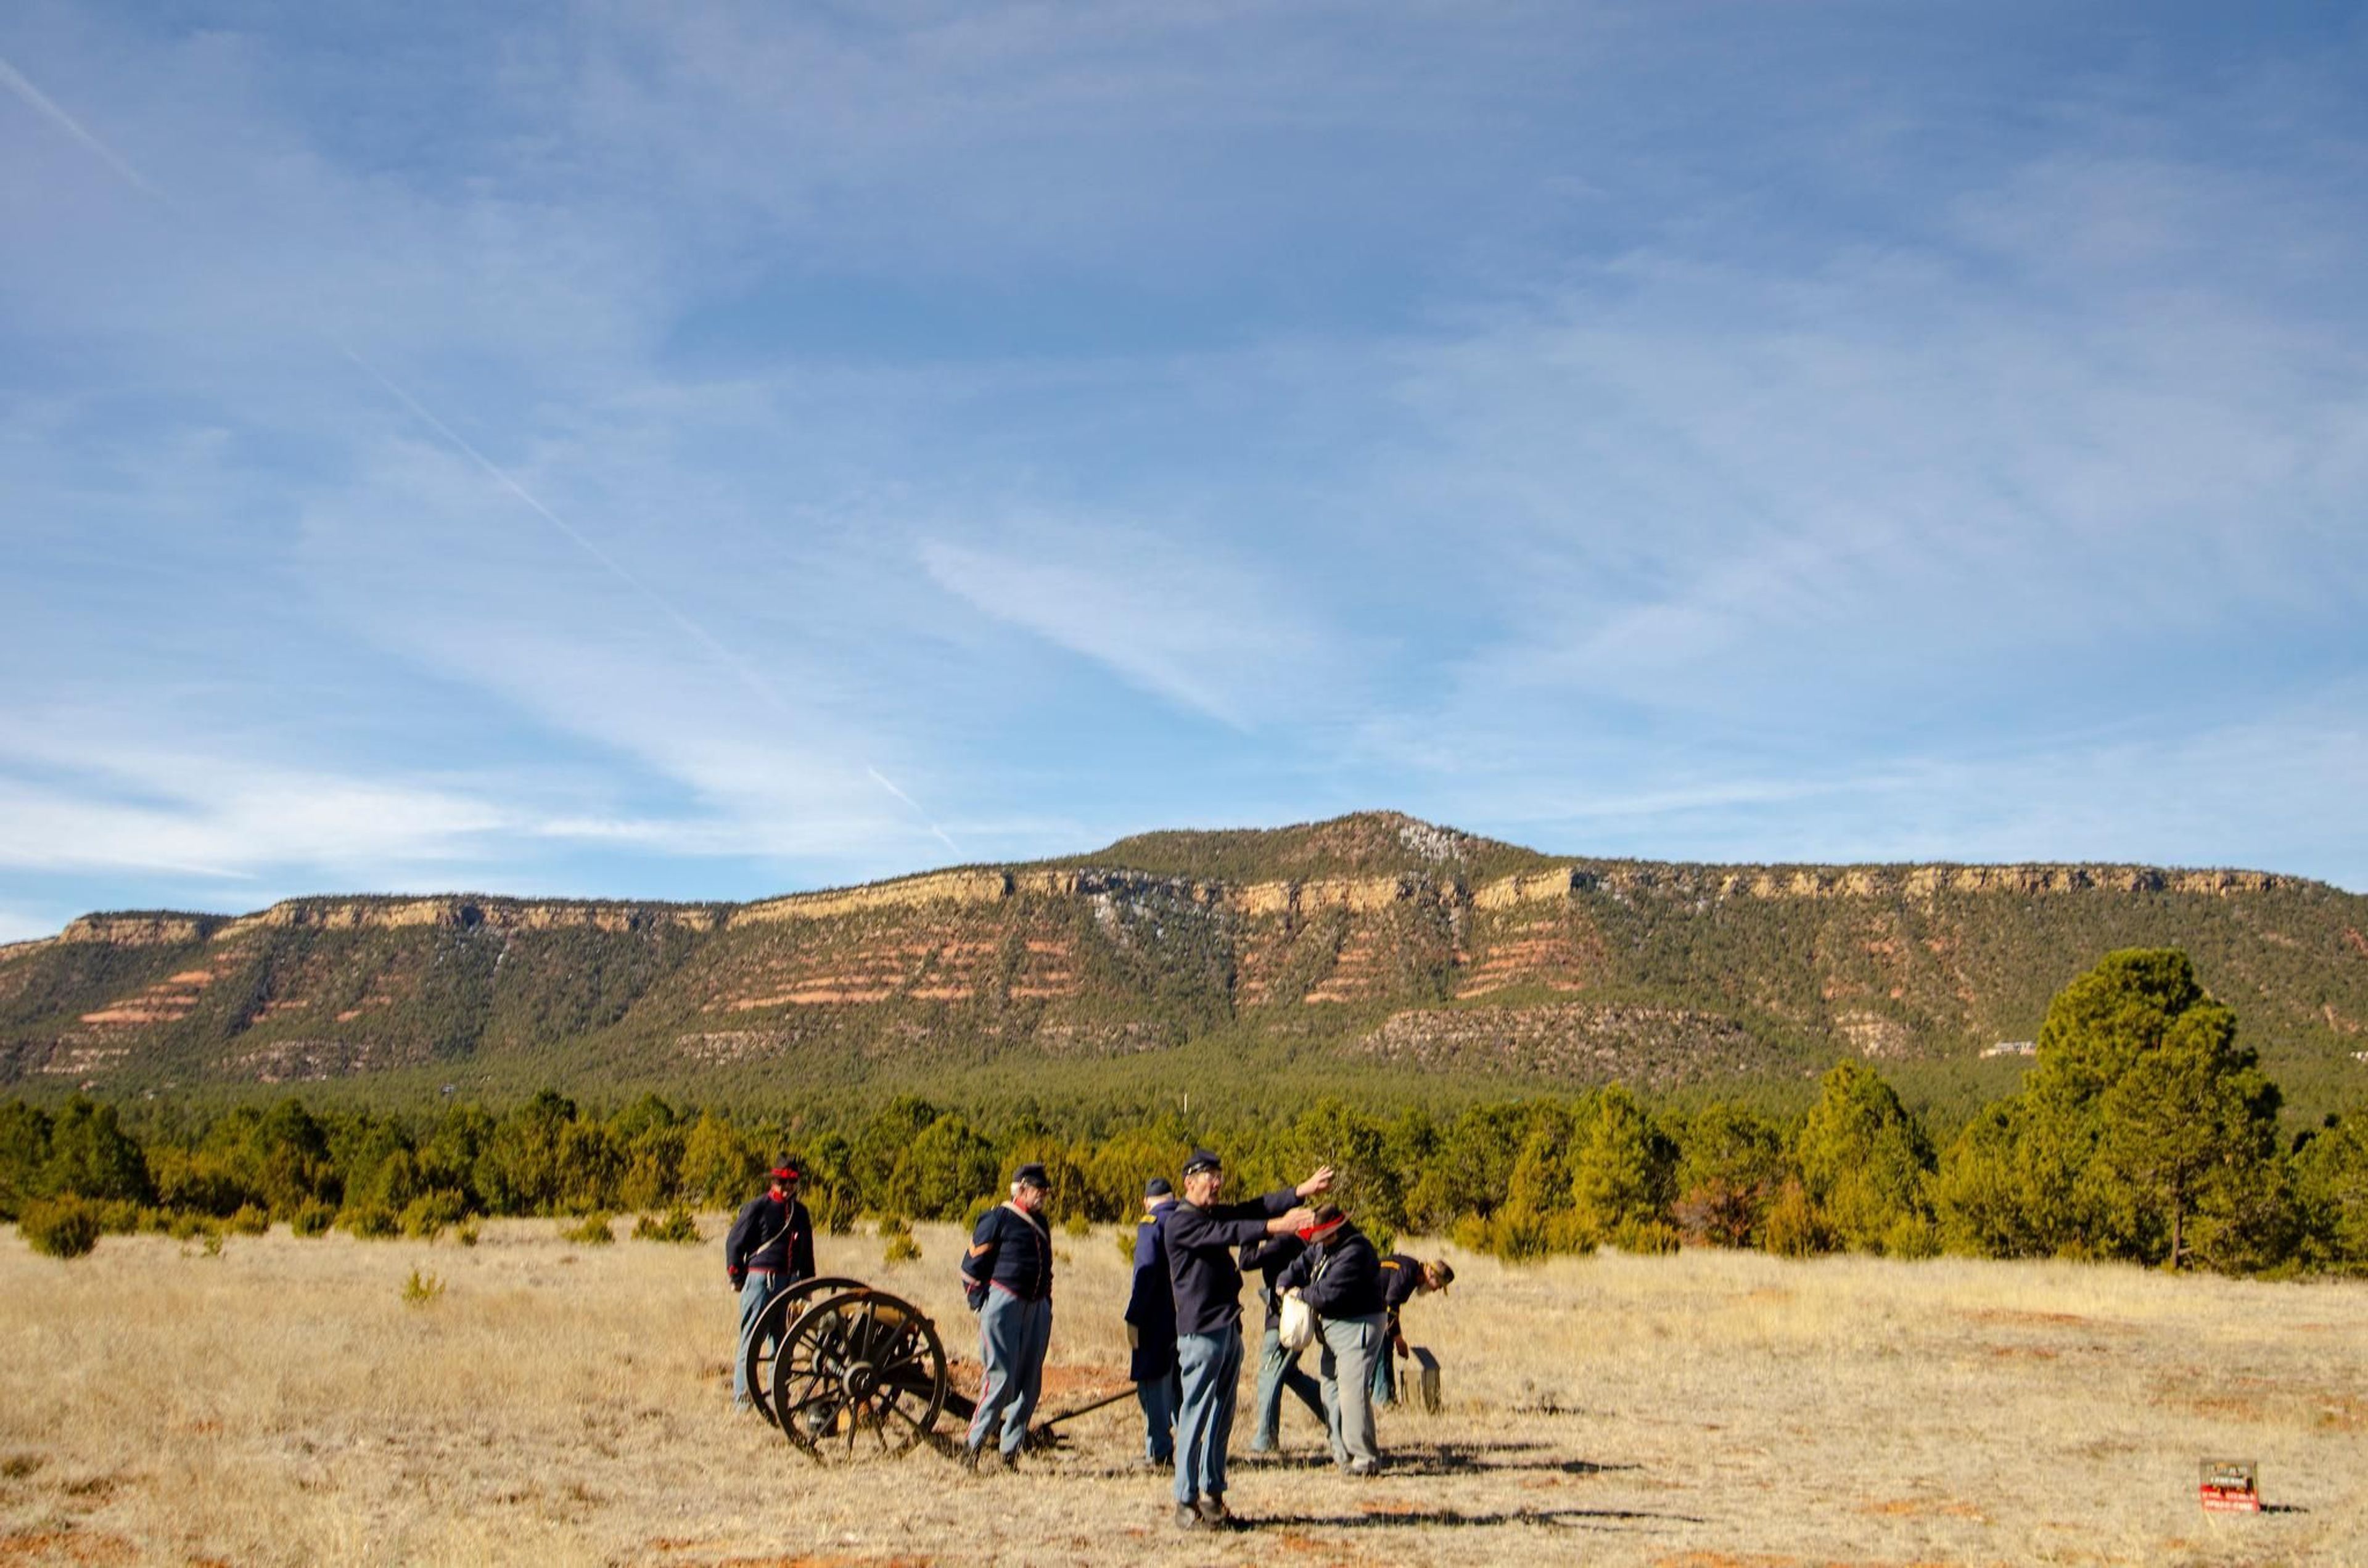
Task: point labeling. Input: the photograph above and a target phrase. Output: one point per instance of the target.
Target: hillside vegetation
(2147, 1132)
(1418, 964)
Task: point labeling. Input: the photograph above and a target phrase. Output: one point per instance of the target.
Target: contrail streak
(15, 82)
(881, 779)
(41, 103)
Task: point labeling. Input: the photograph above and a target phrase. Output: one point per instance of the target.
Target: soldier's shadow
(1452, 1459)
(1459, 1518)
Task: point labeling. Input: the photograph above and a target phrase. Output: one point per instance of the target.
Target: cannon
(850, 1373)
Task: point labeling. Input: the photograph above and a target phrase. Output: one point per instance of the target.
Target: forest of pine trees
(2143, 1132)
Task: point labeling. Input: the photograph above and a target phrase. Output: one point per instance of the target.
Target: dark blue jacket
(1340, 1276)
(1200, 1242)
(1270, 1256)
(1010, 1251)
(1151, 1305)
(1401, 1277)
(771, 1235)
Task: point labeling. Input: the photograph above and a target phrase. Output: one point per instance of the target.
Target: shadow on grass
(1448, 1459)
(1458, 1518)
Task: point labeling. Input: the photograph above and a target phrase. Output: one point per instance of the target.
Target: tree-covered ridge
(1367, 844)
(1494, 971)
(2145, 1132)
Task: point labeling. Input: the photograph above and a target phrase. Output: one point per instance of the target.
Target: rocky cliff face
(1404, 946)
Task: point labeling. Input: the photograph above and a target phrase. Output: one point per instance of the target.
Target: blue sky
(702, 451)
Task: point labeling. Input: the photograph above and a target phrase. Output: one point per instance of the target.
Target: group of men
(1184, 1320)
(1184, 1315)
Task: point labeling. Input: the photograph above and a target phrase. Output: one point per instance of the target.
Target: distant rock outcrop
(1397, 945)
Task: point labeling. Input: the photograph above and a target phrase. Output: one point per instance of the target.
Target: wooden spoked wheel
(860, 1376)
(765, 1336)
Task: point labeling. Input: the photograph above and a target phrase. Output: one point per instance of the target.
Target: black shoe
(1215, 1515)
(1188, 1516)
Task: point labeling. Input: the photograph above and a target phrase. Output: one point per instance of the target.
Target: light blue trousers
(754, 1292)
(1278, 1370)
(1160, 1398)
(1211, 1366)
(1013, 1336)
(1350, 1346)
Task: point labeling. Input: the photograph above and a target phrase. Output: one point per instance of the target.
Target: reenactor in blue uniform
(1339, 1275)
(1279, 1370)
(769, 1249)
(1151, 1329)
(1008, 1275)
(1202, 1234)
(1404, 1278)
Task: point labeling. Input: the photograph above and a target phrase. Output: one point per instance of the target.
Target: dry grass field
(282, 1403)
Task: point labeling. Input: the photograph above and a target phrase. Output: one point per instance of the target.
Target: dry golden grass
(282, 1403)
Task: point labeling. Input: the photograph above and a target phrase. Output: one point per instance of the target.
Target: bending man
(1403, 1279)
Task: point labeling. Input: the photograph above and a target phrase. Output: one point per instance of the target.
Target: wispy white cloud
(199, 815)
(1199, 630)
(1743, 440)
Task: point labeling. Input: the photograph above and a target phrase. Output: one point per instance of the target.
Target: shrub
(427, 1216)
(1794, 1228)
(249, 1221)
(189, 1227)
(313, 1219)
(1914, 1235)
(370, 1222)
(901, 1247)
(65, 1227)
(1644, 1237)
(421, 1289)
(592, 1231)
(1077, 1225)
(467, 1234)
(678, 1226)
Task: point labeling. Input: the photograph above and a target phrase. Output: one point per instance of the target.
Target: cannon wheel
(860, 1375)
(757, 1350)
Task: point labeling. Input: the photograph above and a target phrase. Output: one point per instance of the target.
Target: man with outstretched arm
(1151, 1329)
(1202, 1234)
(1008, 1274)
(769, 1249)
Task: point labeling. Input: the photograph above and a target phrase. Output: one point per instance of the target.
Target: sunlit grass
(281, 1403)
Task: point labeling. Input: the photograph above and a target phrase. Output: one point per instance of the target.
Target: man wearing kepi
(1340, 1276)
(1202, 1234)
(1008, 1275)
(1151, 1328)
(1403, 1279)
(769, 1249)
